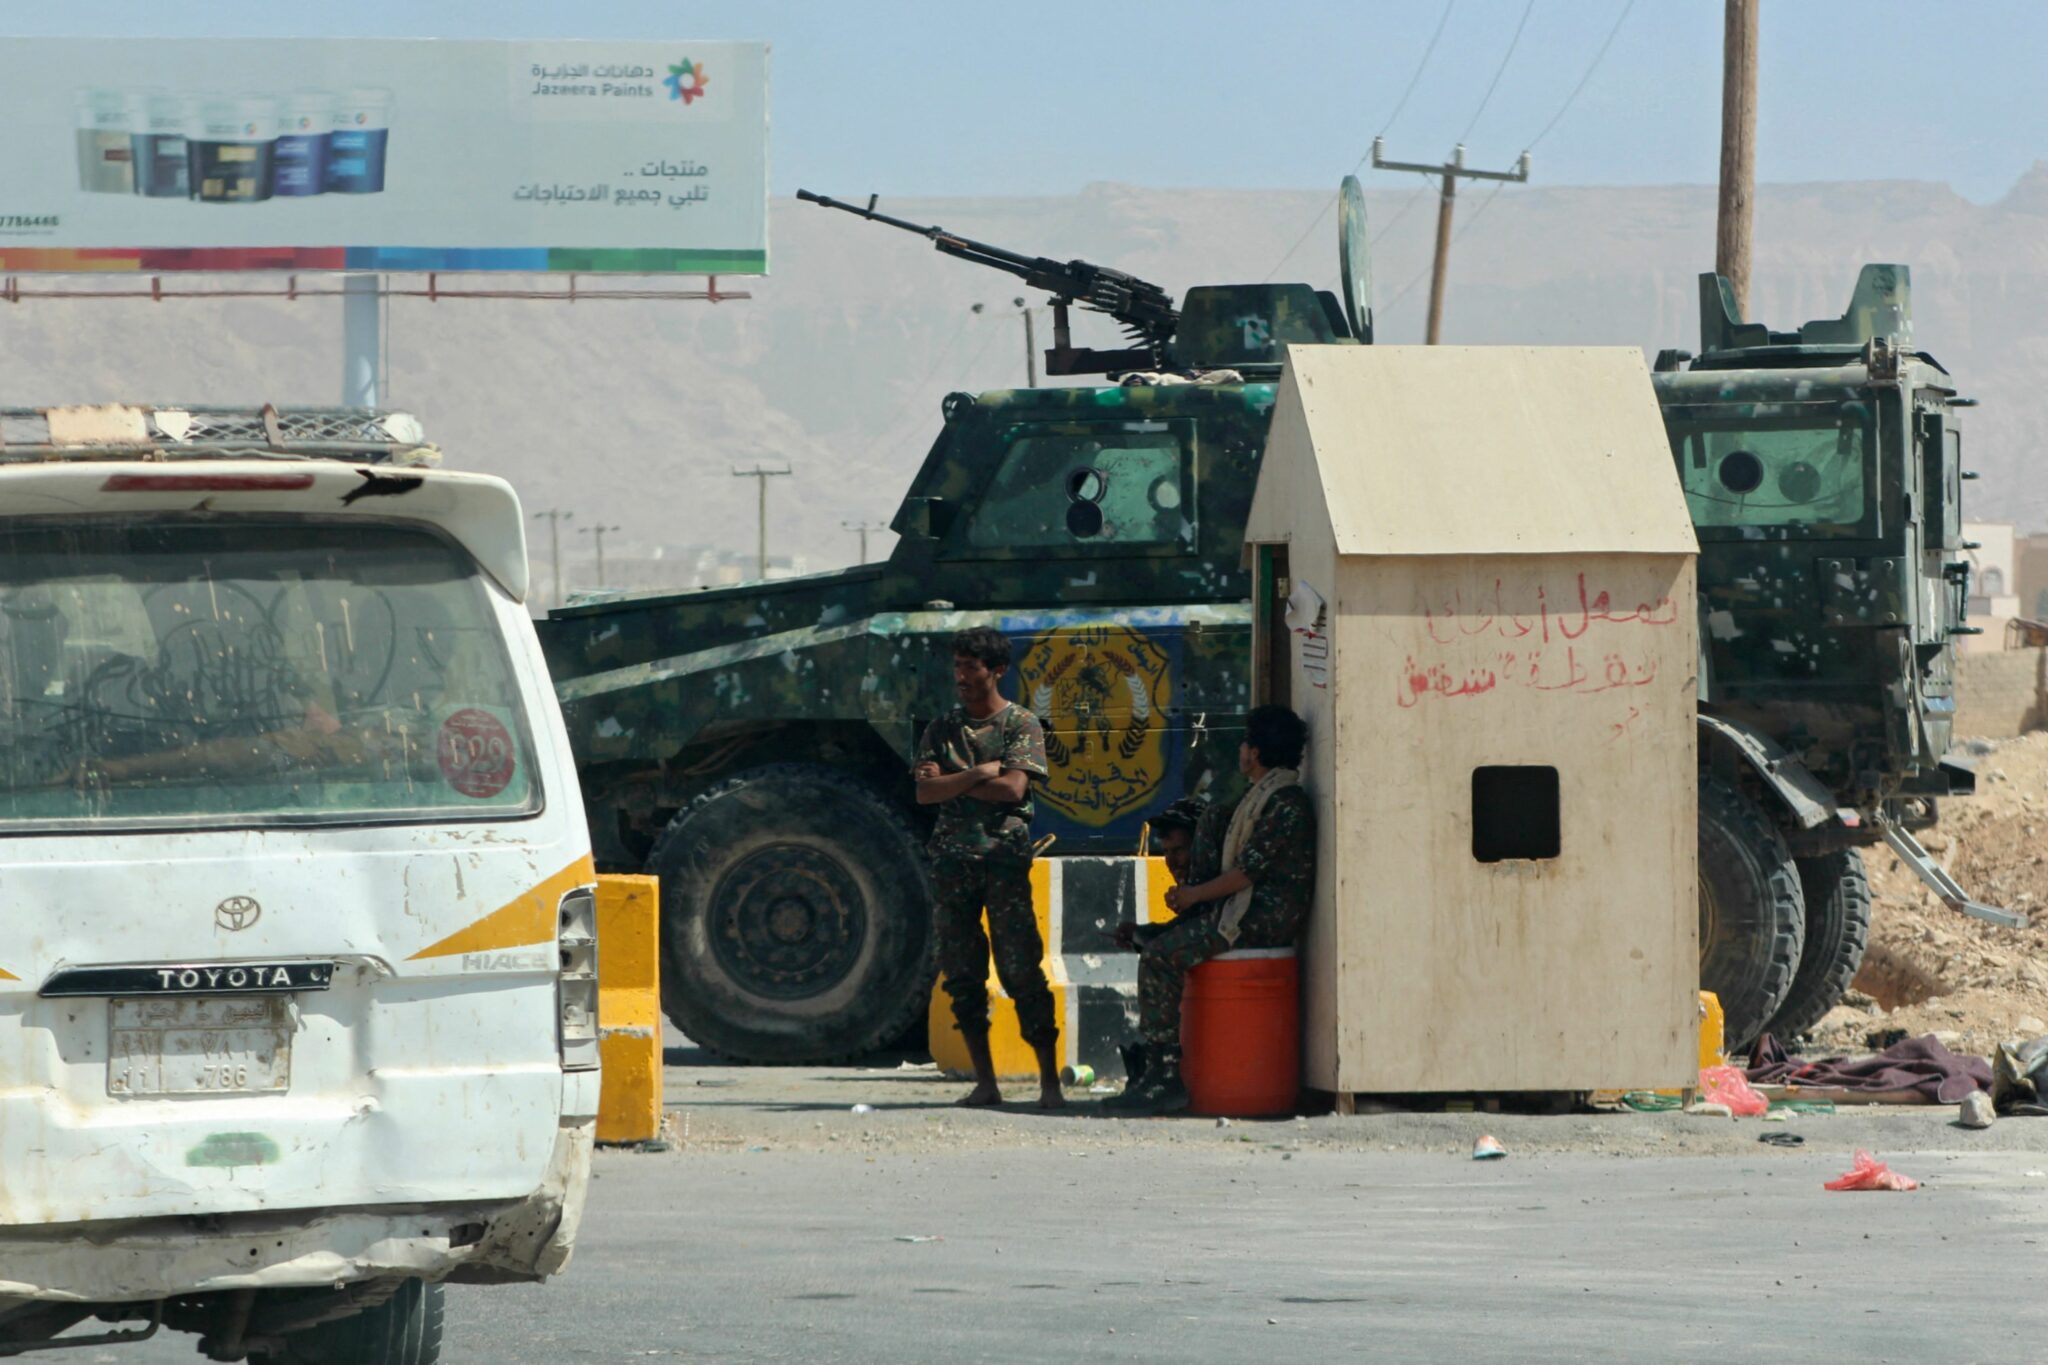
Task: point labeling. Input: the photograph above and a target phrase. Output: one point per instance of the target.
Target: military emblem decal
(1102, 693)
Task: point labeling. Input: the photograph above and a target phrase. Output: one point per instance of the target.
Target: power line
(1399, 105)
(1499, 71)
(1415, 79)
(1424, 188)
(1479, 212)
(1591, 67)
(1584, 78)
(917, 390)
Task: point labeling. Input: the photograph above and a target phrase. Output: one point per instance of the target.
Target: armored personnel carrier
(1823, 470)
(751, 745)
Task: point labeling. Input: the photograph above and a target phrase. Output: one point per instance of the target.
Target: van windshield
(178, 671)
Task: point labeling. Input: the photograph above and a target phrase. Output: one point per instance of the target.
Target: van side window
(1112, 486)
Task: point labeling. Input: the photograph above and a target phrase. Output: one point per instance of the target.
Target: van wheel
(403, 1330)
(795, 916)
(1837, 892)
(1752, 919)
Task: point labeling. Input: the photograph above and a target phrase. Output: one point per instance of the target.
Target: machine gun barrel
(1142, 307)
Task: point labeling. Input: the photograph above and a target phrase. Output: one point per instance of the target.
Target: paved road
(1176, 1255)
(1222, 1256)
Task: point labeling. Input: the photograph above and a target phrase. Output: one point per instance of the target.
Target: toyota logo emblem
(237, 912)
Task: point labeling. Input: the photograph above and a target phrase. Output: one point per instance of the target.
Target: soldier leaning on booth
(976, 764)
(1254, 892)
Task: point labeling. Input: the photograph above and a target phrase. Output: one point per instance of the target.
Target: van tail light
(576, 987)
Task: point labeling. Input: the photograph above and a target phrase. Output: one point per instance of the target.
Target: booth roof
(1467, 450)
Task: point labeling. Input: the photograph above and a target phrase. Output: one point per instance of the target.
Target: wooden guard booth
(1474, 579)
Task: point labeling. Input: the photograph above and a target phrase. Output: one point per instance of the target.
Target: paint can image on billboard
(106, 157)
(362, 132)
(156, 137)
(239, 149)
(305, 133)
(232, 146)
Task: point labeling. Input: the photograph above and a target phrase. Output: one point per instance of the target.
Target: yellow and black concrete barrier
(629, 1008)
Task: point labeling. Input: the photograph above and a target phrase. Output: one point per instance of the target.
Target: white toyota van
(297, 945)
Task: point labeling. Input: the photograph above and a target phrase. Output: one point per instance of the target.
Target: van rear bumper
(144, 1259)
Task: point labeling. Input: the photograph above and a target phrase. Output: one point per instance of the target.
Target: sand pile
(1932, 970)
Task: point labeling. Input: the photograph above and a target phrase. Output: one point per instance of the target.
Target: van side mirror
(929, 518)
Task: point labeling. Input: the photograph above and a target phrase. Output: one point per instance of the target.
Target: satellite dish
(1354, 258)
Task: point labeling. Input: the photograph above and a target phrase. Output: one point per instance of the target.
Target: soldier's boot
(1159, 1090)
(1137, 1059)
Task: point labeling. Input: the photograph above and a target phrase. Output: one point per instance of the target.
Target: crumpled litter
(1871, 1174)
(1727, 1085)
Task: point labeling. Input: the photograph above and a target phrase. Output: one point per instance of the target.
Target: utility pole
(761, 474)
(1030, 347)
(1738, 149)
(554, 518)
(861, 529)
(596, 534)
(1030, 339)
(1451, 171)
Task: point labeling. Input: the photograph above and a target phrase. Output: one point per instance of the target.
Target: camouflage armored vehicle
(750, 745)
(1822, 469)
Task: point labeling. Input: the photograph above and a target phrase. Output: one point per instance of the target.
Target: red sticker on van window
(476, 753)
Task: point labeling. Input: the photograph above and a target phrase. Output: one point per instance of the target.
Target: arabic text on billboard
(167, 154)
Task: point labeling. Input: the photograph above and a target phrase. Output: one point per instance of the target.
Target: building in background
(2031, 586)
(1994, 583)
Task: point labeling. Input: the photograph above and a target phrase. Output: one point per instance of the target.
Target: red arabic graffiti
(1538, 670)
(1569, 622)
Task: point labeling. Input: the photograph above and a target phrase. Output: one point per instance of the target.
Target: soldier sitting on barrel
(976, 764)
(1259, 899)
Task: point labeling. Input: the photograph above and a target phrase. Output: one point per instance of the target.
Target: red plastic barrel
(1240, 1033)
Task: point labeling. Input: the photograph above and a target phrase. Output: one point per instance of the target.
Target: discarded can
(1081, 1074)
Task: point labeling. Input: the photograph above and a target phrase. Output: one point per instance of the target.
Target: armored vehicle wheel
(405, 1329)
(1837, 893)
(795, 917)
(1752, 920)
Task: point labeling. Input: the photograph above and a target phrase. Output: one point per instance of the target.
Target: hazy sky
(1043, 97)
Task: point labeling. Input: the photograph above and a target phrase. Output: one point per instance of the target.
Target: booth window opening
(1514, 813)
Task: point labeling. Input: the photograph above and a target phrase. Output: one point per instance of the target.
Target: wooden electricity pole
(861, 529)
(1451, 171)
(1738, 149)
(597, 535)
(554, 517)
(761, 474)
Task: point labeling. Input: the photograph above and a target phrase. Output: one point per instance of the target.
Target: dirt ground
(1931, 970)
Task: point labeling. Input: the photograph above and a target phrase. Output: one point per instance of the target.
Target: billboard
(642, 156)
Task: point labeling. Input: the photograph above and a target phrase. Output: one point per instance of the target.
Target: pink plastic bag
(1871, 1174)
(1727, 1085)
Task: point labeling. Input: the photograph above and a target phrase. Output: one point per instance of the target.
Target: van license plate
(199, 1045)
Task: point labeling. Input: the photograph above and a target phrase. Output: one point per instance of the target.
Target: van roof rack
(119, 431)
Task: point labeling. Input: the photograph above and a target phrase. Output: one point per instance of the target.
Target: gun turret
(1145, 310)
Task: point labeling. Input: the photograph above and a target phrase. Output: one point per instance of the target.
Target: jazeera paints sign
(261, 154)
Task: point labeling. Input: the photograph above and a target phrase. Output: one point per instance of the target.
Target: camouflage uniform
(981, 858)
(1280, 858)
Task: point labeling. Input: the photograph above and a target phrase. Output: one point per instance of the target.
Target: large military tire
(403, 1330)
(1752, 919)
(1837, 895)
(795, 917)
